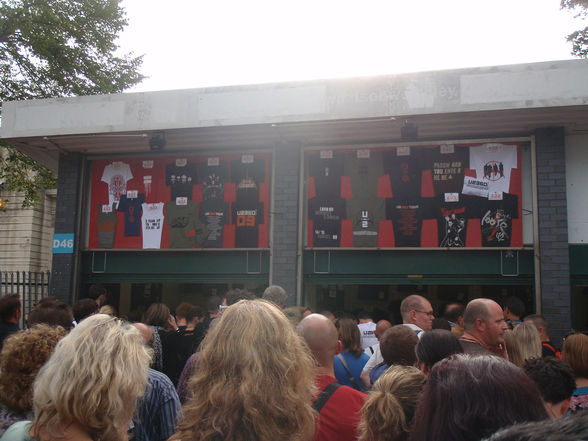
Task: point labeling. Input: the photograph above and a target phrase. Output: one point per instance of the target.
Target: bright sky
(201, 43)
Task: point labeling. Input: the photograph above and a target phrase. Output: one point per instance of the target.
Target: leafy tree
(52, 48)
(579, 39)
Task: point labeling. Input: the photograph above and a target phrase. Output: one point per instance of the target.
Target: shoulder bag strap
(324, 396)
(353, 382)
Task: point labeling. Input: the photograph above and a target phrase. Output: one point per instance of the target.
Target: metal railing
(32, 287)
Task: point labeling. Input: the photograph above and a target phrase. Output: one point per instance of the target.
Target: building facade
(349, 193)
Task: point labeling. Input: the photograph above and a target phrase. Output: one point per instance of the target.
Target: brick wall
(553, 230)
(285, 210)
(68, 188)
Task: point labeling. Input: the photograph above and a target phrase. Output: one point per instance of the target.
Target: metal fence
(32, 287)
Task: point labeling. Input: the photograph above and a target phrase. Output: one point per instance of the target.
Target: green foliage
(579, 39)
(53, 48)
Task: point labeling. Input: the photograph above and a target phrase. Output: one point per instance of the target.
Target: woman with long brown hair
(253, 380)
(350, 361)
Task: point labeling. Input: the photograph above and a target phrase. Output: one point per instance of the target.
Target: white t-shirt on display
(493, 163)
(116, 176)
(152, 224)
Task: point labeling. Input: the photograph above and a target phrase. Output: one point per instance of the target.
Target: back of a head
(474, 310)
(237, 294)
(468, 397)
(515, 306)
(212, 305)
(22, 356)
(276, 294)
(95, 291)
(320, 336)
(554, 378)
(93, 379)
(9, 304)
(397, 345)
(575, 353)
(453, 312)
(157, 315)
(536, 319)
(52, 312)
(349, 336)
(84, 308)
(523, 343)
(435, 345)
(388, 410)
(254, 379)
(571, 428)
(188, 311)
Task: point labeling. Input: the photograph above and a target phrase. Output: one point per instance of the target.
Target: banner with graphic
(180, 202)
(439, 196)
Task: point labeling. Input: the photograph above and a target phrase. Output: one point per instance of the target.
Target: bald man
(484, 327)
(417, 313)
(338, 407)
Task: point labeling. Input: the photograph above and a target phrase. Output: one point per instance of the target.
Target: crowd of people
(249, 368)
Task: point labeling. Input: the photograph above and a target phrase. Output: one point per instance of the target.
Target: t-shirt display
(364, 168)
(493, 163)
(452, 211)
(448, 164)
(326, 215)
(132, 209)
(106, 224)
(181, 177)
(326, 169)
(182, 224)
(180, 202)
(116, 176)
(214, 214)
(152, 223)
(212, 174)
(425, 195)
(247, 216)
(496, 219)
(247, 173)
(365, 216)
(404, 166)
(407, 220)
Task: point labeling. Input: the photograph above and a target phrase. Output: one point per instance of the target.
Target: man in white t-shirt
(366, 327)
(374, 352)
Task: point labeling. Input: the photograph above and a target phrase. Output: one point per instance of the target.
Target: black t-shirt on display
(181, 179)
(405, 173)
(247, 216)
(452, 217)
(214, 213)
(447, 165)
(326, 215)
(327, 174)
(407, 220)
(496, 219)
(212, 178)
(247, 177)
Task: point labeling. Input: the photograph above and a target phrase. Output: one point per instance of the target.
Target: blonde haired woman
(253, 380)
(523, 343)
(389, 408)
(88, 389)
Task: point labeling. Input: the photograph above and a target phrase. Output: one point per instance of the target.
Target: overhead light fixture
(157, 142)
(409, 131)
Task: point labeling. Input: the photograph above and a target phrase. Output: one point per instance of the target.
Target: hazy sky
(200, 43)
